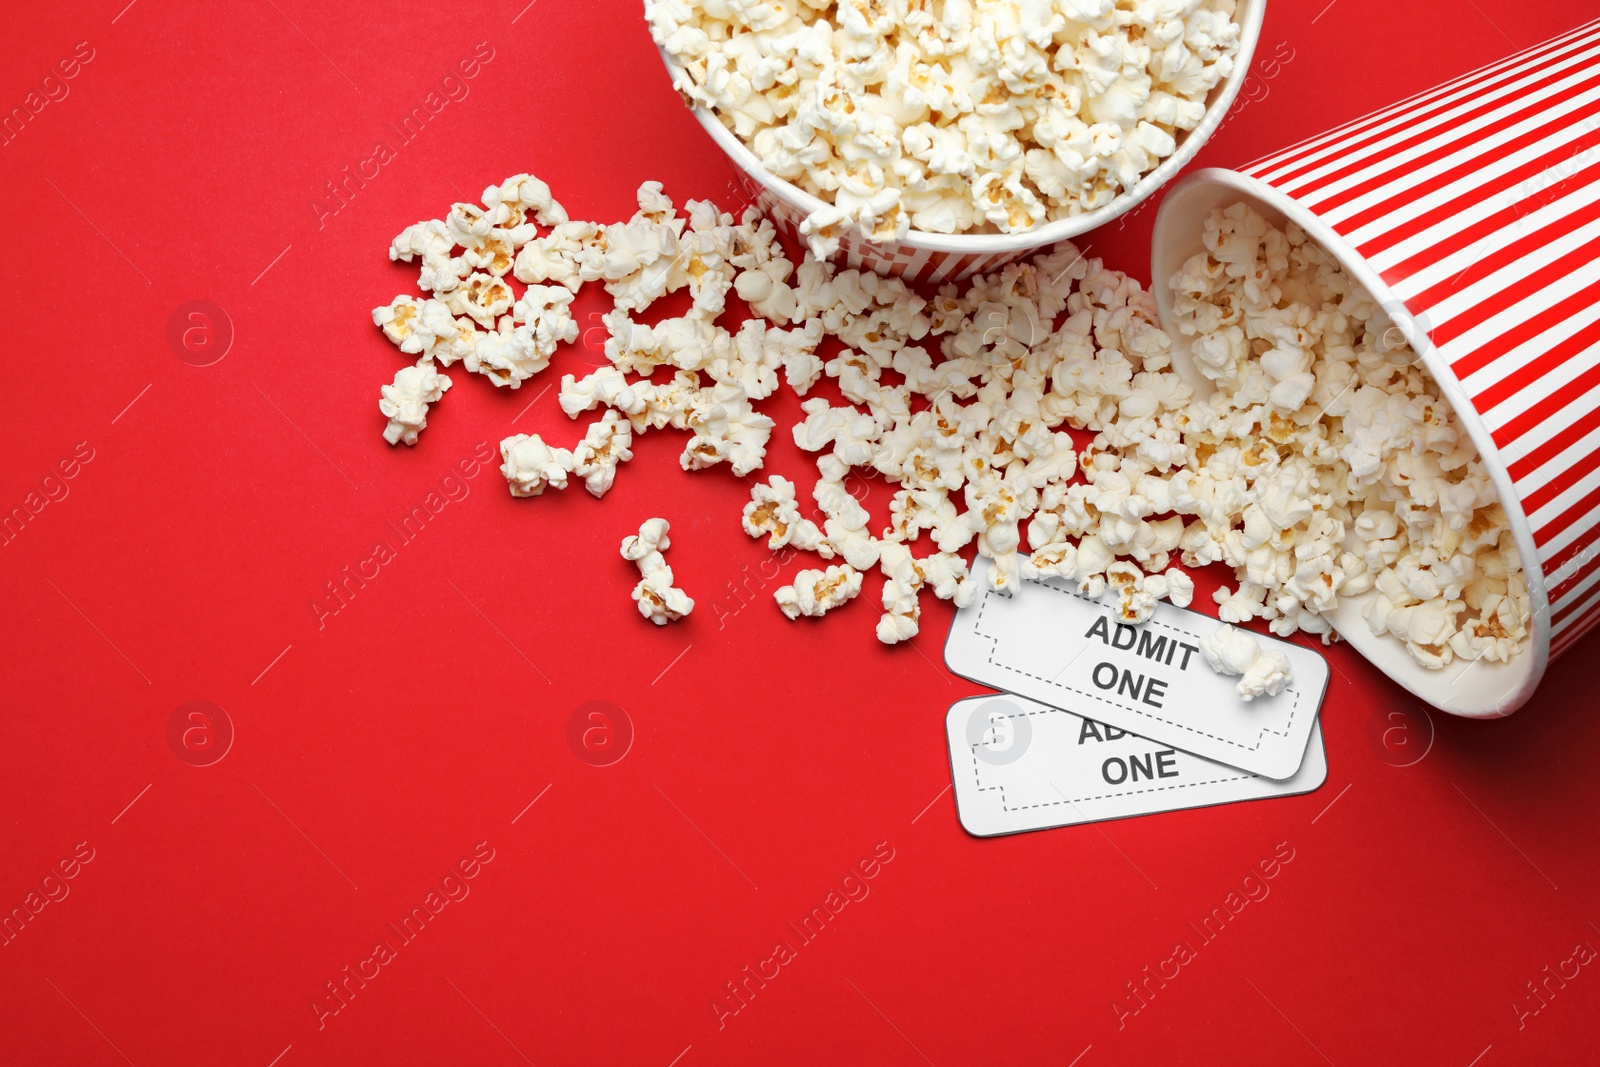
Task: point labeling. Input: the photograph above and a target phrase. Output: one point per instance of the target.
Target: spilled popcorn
(658, 600)
(993, 117)
(1261, 672)
(1321, 466)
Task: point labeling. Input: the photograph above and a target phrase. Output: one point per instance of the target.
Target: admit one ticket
(1018, 765)
(1055, 646)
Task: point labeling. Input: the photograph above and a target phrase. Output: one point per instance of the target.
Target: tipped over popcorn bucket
(940, 257)
(1472, 214)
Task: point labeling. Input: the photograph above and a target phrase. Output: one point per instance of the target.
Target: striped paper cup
(1472, 213)
(940, 257)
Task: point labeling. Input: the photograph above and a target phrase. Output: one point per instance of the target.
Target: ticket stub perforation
(1018, 765)
(1054, 645)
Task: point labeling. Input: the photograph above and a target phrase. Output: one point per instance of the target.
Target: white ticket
(1050, 643)
(1020, 766)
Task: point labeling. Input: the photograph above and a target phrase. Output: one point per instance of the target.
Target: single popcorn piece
(605, 445)
(417, 327)
(845, 529)
(773, 511)
(816, 592)
(1267, 676)
(658, 600)
(652, 537)
(947, 575)
(531, 466)
(511, 202)
(606, 386)
(1232, 651)
(482, 298)
(554, 257)
(405, 402)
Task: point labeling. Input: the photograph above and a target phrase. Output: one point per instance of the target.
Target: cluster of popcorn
(1321, 466)
(658, 600)
(951, 117)
(1261, 672)
(1325, 464)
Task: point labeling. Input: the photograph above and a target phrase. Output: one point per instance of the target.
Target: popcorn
(816, 592)
(915, 511)
(513, 200)
(505, 356)
(987, 118)
(554, 257)
(947, 575)
(1323, 466)
(773, 511)
(1263, 672)
(604, 387)
(845, 529)
(726, 429)
(658, 600)
(433, 242)
(1326, 466)
(531, 466)
(418, 327)
(481, 297)
(405, 402)
(423, 239)
(525, 340)
(902, 611)
(651, 538)
(605, 444)
(853, 435)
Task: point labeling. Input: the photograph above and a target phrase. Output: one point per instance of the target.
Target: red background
(1455, 862)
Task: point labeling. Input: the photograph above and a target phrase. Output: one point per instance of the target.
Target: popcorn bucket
(1472, 213)
(939, 257)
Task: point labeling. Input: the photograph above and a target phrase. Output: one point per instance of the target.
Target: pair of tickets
(1097, 719)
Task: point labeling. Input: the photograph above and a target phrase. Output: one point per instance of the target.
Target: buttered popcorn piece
(531, 466)
(405, 402)
(814, 593)
(992, 117)
(1232, 651)
(658, 600)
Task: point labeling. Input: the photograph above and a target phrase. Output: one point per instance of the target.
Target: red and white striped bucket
(1475, 208)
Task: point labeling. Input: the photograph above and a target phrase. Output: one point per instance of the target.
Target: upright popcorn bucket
(1472, 213)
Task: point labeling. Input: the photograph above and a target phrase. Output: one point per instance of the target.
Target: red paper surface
(1443, 867)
